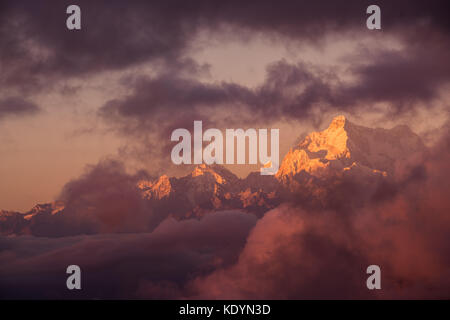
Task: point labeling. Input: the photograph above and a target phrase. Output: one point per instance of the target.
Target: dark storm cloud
(37, 48)
(404, 77)
(114, 35)
(16, 106)
(401, 78)
(172, 98)
(289, 90)
(169, 92)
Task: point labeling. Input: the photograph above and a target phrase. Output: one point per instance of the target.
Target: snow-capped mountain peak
(344, 146)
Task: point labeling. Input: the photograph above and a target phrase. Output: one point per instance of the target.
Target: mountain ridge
(309, 170)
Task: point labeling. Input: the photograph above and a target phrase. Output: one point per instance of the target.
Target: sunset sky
(120, 85)
(86, 118)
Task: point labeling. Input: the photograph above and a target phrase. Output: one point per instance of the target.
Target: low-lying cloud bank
(120, 265)
(293, 253)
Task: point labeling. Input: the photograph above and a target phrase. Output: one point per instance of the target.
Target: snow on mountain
(347, 148)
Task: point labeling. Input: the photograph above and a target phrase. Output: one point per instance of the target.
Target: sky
(86, 114)
(119, 86)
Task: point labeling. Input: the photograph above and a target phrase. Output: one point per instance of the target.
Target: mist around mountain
(344, 198)
(314, 172)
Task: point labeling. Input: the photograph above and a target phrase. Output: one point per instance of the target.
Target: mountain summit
(345, 146)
